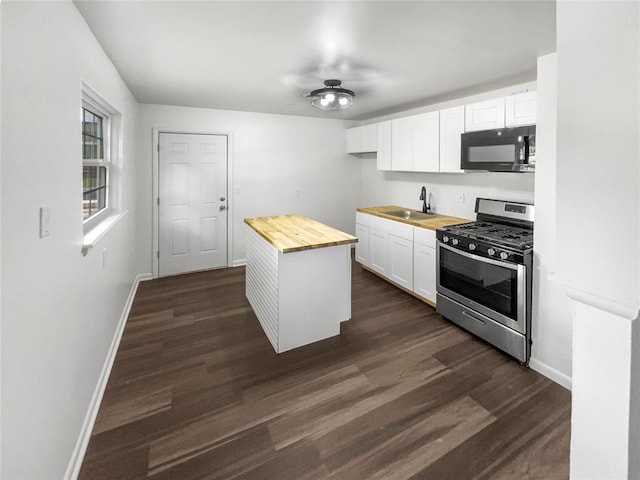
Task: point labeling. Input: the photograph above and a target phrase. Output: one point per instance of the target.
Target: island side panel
(261, 284)
(315, 295)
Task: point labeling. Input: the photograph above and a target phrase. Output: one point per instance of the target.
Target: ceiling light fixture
(332, 96)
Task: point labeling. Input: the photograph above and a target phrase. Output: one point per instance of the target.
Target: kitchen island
(298, 278)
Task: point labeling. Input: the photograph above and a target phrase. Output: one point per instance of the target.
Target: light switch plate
(45, 222)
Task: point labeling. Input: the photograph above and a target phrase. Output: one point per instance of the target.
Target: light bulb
(330, 97)
(324, 102)
(343, 101)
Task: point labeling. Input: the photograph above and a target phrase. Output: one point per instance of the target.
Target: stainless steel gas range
(484, 274)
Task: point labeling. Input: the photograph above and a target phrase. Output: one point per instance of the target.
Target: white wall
(598, 228)
(551, 331)
(272, 156)
(59, 309)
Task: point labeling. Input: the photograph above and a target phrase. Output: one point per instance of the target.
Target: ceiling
(264, 56)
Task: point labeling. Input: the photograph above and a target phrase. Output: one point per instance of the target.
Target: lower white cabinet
(424, 264)
(403, 254)
(401, 261)
(379, 250)
(362, 247)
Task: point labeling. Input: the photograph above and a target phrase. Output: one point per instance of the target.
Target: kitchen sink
(410, 214)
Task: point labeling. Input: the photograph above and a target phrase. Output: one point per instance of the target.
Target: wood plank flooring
(197, 392)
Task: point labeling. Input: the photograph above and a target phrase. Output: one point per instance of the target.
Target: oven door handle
(497, 263)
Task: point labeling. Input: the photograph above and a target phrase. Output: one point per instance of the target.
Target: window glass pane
(89, 178)
(92, 148)
(94, 188)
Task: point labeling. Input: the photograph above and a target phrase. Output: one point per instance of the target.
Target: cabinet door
(451, 127)
(370, 138)
(401, 261)
(384, 146)
(426, 142)
(362, 247)
(354, 138)
(484, 115)
(521, 109)
(379, 251)
(424, 271)
(402, 144)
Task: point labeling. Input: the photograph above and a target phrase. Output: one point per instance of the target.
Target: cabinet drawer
(401, 230)
(363, 218)
(425, 237)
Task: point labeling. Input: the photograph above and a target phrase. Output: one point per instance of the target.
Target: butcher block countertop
(293, 233)
(433, 223)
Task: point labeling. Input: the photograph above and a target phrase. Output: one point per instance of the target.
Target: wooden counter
(437, 221)
(292, 233)
(298, 278)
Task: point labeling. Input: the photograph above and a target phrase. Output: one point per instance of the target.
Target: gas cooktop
(506, 235)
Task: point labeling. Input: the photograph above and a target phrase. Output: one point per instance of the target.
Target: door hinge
(158, 146)
(158, 201)
(158, 254)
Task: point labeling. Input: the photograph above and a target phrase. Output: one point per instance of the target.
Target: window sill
(93, 236)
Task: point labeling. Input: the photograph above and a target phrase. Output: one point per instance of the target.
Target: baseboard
(550, 372)
(239, 263)
(73, 468)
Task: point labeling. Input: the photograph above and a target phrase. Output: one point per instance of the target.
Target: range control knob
(504, 255)
(454, 241)
(472, 246)
(445, 239)
(491, 251)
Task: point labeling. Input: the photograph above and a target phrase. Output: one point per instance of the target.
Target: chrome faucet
(423, 196)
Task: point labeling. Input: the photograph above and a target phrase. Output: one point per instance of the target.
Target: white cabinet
(424, 263)
(451, 127)
(484, 115)
(521, 109)
(426, 142)
(384, 146)
(402, 144)
(362, 139)
(379, 250)
(403, 254)
(362, 232)
(415, 143)
(401, 261)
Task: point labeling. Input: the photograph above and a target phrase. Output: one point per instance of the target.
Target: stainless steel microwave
(500, 150)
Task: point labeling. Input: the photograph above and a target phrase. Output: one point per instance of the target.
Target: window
(95, 170)
(101, 139)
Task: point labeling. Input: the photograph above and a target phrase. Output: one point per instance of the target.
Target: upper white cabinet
(451, 127)
(430, 142)
(415, 143)
(362, 139)
(484, 115)
(384, 145)
(426, 142)
(521, 109)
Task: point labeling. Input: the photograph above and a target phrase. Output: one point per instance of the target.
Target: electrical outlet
(461, 197)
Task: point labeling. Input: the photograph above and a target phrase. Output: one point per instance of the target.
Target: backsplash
(450, 194)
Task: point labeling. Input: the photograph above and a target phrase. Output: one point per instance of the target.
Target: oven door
(494, 288)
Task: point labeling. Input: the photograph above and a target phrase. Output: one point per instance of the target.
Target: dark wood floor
(197, 392)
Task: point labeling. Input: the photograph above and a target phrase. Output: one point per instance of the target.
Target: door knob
(222, 199)
(222, 207)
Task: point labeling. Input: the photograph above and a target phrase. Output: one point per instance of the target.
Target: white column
(598, 229)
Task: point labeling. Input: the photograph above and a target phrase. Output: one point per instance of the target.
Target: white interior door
(192, 210)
